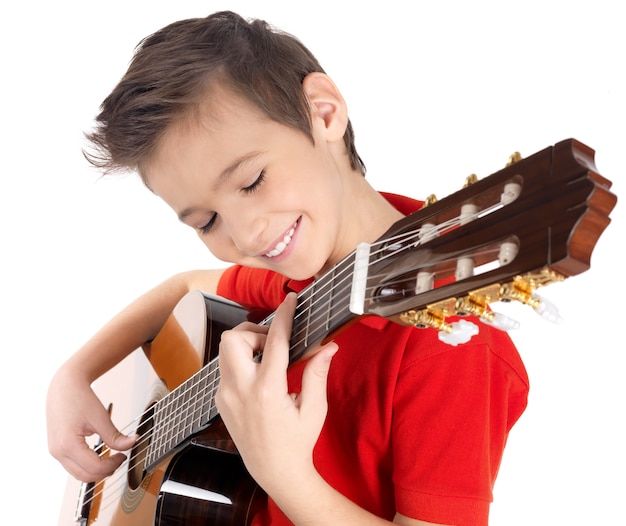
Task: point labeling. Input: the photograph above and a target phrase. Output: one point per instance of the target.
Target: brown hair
(170, 73)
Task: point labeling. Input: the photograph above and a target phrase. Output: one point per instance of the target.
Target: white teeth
(282, 245)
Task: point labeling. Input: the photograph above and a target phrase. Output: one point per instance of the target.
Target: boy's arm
(73, 410)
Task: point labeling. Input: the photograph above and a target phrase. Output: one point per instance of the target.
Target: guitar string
(347, 272)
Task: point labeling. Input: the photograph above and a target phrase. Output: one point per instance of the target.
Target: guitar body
(212, 487)
(221, 490)
(204, 480)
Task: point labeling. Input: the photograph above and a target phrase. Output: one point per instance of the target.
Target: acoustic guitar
(500, 238)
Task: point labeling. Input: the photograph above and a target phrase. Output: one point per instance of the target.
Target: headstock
(533, 223)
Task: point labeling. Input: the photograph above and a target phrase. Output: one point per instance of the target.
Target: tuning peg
(522, 290)
(430, 200)
(424, 282)
(545, 309)
(501, 321)
(514, 158)
(470, 180)
(510, 193)
(458, 332)
(508, 252)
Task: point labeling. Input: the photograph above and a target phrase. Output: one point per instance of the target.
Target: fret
(194, 410)
(199, 407)
(328, 317)
(156, 446)
(193, 392)
(322, 308)
(169, 414)
(209, 408)
(339, 301)
(304, 311)
(215, 377)
(175, 413)
(183, 408)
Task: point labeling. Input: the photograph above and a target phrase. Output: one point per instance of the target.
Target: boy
(239, 130)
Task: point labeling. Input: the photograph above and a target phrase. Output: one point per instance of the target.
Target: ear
(329, 113)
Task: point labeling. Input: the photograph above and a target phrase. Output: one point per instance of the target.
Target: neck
(367, 216)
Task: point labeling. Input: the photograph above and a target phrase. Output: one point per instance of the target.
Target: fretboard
(323, 307)
(183, 412)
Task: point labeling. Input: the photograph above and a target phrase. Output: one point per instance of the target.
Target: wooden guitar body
(221, 491)
(204, 480)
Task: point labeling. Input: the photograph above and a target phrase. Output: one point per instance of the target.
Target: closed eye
(256, 184)
(205, 229)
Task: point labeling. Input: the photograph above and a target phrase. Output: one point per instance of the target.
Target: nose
(247, 229)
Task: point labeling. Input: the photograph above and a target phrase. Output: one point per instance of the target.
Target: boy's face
(258, 193)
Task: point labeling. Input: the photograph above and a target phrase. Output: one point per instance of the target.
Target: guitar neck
(322, 309)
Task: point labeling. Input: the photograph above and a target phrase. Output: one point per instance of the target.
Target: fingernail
(331, 351)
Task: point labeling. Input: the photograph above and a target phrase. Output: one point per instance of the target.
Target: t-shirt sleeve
(453, 411)
(253, 288)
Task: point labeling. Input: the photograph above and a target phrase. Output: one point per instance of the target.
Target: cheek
(221, 248)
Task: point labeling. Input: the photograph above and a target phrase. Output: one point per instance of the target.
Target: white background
(436, 91)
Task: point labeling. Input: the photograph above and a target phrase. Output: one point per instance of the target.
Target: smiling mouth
(282, 245)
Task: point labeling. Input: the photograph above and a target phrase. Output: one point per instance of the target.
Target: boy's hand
(274, 430)
(73, 413)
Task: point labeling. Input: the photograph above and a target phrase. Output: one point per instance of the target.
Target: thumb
(315, 376)
(113, 438)
(121, 442)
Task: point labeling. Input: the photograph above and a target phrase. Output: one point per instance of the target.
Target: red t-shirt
(414, 426)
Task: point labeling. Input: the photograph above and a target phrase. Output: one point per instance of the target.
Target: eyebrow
(224, 175)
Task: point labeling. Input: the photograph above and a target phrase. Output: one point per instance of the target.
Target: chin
(303, 272)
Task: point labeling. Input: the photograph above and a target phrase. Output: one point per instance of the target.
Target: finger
(276, 352)
(314, 380)
(87, 465)
(112, 437)
(238, 347)
(251, 327)
(237, 367)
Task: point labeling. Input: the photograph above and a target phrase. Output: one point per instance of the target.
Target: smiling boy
(238, 129)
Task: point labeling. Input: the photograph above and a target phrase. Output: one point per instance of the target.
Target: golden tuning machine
(513, 158)
(431, 199)
(522, 287)
(470, 180)
(430, 317)
(477, 303)
(473, 178)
